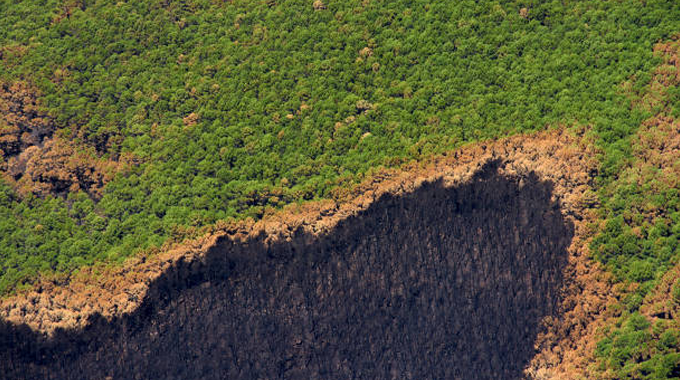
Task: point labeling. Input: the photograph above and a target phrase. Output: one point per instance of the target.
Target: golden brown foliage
(22, 122)
(318, 5)
(35, 162)
(60, 166)
(191, 119)
(665, 75)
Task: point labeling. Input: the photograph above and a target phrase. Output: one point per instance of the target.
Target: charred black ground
(440, 283)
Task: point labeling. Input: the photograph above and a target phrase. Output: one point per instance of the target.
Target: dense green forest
(190, 112)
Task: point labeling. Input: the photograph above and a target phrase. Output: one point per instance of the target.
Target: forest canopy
(126, 124)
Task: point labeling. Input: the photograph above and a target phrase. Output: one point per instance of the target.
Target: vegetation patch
(233, 108)
(641, 232)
